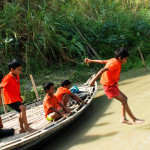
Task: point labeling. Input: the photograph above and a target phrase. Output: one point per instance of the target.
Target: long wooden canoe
(44, 128)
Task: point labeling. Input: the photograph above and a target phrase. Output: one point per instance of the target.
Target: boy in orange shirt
(12, 97)
(63, 94)
(50, 104)
(109, 79)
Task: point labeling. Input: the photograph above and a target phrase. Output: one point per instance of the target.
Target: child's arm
(95, 61)
(57, 111)
(98, 75)
(67, 110)
(73, 96)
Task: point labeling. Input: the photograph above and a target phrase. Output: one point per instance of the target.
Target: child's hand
(86, 60)
(68, 110)
(63, 114)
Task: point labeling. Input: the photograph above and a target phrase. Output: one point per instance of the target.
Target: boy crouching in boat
(63, 93)
(109, 79)
(12, 97)
(52, 106)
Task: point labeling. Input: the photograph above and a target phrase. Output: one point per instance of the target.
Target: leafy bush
(42, 34)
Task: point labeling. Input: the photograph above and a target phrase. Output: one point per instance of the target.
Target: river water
(98, 128)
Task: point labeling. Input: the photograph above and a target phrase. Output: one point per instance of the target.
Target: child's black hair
(14, 64)
(65, 82)
(47, 86)
(121, 52)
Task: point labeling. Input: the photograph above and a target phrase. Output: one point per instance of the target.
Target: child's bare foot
(138, 121)
(30, 129)
(22, 131)
(125, 121)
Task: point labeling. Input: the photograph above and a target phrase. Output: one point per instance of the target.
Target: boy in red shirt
(63, 94)
(50, 104)
(12, 97)
(109, 79)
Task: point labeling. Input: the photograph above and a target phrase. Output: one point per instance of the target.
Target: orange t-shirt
(49, 102)
(111, 77)
(11, 89)
(60, 92)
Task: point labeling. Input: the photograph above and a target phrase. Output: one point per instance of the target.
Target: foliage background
(42, 35)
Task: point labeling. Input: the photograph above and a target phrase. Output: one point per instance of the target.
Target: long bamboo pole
(90, 47)
(142, 58)
(34, 87)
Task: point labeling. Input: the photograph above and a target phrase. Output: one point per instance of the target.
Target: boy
(109, 78)
(50, 104)
(63, 94)
(12, 97)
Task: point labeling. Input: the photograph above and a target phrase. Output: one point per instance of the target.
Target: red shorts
(111, 91)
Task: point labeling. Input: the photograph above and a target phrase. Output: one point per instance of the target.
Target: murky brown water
(98, 128)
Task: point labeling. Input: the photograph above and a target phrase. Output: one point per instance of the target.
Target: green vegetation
(42, 35)
(78, 74)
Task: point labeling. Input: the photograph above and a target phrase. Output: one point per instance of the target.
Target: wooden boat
(44, 128)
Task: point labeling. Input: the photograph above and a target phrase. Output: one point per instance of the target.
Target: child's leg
(55, 115)
(123, 99)
(65, 99)
(124, 119)
(21, 124)
(1, 124)
(24, 118)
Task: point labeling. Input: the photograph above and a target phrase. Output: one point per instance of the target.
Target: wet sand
(98, 128)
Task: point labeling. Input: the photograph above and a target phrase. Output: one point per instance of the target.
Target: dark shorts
(6, 132)
(15, 106)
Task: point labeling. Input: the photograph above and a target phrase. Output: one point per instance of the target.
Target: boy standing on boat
(51, 104)
(63, 93)
(109, 79)
(12, 97)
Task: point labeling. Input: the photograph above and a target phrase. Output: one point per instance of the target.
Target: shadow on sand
(90, 138)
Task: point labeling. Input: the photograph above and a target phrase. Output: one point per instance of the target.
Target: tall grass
(41, 32)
